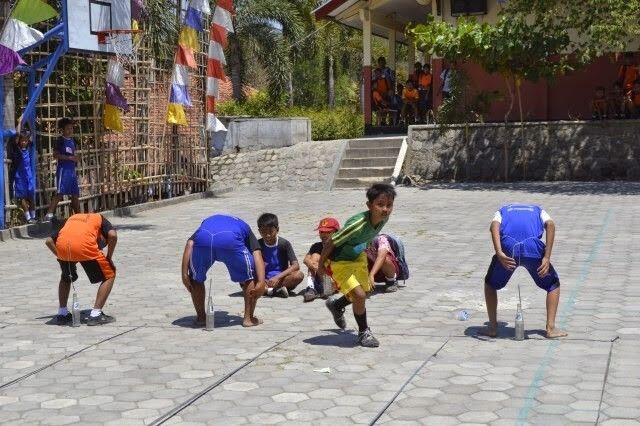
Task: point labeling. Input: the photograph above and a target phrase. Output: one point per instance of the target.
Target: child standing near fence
(66, 178)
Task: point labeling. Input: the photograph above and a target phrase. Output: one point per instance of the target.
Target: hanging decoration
(188, 42)
(17, 33)
(222, 24)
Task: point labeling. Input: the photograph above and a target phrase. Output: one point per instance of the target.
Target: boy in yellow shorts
(344, 259)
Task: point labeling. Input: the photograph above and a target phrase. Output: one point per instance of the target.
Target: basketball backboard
(86, 17)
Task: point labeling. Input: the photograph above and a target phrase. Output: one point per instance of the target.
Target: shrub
(326, 124)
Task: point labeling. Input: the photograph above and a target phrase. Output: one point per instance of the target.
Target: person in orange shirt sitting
(77, 241)
(599, 104)
(628, 73)
(632, 101)
(410, 98)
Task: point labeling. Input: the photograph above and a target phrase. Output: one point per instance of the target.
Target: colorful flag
(138, 10)
(188, 38)
(222, 24)
(217, 52)
(214, 125)
(193, 19)
(114, 97)
(9, 60)
(184, 56)
(17, 35)
(33, 11)
(114, 100)
(179, 95)
(176, 115)
(218, 34)
(111, 118)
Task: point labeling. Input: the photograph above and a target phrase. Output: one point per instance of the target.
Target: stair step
(365, 172)
(369, 162)
(371, 152)
(346, 183)
(376, 143)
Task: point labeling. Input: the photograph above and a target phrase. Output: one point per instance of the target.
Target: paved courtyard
(151, 367)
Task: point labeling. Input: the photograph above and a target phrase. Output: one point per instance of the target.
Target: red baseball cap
(328, 224)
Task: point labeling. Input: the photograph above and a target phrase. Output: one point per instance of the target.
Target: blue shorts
(498, 276)
(67, 182)
(237, 258)
(23, 190)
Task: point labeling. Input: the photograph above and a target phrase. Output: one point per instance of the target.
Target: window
(468, 7)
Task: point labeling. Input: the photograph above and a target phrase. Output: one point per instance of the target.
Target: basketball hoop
(120, 40)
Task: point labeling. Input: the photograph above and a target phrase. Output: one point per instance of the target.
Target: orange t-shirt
(377, 98)
(425, 81)
(627, 76)
(382, 85)
(78, 238)
(410, 95)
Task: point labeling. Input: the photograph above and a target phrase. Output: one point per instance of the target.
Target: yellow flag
(111, 118)
(176, 115)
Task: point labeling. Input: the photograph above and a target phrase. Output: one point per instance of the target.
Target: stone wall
(308, 166)
(254, 134)
(597, 150)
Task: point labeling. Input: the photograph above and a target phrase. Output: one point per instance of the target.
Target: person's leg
(24, 204)
(75, 204)
(103, 293)
(250, 296)
(198, 294)
(358, 299)
(64, 287)
(55, 199)
(292, 280)
(491, 300)
(553, 298)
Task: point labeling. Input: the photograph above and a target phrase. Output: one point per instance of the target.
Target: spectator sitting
(380, 106)
(424, 89)
(396, 103)
(410, 98)
(383, 264)
(599, 104)
(632, 101)
(628, 73)
(327, 227)
(415, 75)
(616, 100)
(282, 271)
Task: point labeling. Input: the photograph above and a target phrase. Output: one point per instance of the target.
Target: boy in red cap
(327, 227)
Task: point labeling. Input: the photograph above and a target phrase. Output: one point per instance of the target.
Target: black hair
(382, 58)
(64, 121)
(378, 189)
(600, 88)
(268, 220)
(417, 64)
(617, 84)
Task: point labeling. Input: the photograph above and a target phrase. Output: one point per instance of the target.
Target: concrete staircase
(367, 161)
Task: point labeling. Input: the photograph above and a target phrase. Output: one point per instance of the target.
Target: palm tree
(266, 32)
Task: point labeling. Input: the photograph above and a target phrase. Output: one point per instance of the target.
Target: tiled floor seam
(404, 385)
(182, 406)
(567, 308)
(606, 377)
(44, 367)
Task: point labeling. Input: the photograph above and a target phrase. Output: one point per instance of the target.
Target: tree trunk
(331, 85)
(235, 64)
(290, 88)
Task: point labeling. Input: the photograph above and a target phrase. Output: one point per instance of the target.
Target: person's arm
(51, 245)
(259, 261)
(112, 240)
(550, 227)
(186, 256)
(310, 263)
(377, 265)
(292, 260)
(327, 249)
(506, 261)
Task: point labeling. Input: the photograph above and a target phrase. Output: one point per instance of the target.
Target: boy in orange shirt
(628, 73)
(410, 98)
(632, 101)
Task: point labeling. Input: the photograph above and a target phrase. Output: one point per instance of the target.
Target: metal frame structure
(59, 31)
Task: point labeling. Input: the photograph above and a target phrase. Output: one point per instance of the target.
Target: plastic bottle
(327, 285)
(462, 315)
(519, 324)
(75, 311)
(209, 326)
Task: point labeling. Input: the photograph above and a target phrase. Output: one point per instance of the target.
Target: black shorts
(98, 270)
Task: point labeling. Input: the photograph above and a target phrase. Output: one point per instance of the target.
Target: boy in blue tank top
(229, 240)
(24, 182)
(66, 178)
(516, 232)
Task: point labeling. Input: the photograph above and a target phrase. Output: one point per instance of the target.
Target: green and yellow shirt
(354, 237)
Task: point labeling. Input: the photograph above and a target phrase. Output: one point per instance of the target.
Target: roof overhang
(386, 15)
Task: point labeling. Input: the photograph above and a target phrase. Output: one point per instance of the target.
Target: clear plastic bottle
(327, 285)
(519, 324)
(209, 315)
(75, 311)
(462, 315)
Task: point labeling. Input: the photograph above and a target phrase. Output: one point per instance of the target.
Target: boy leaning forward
(344, 259)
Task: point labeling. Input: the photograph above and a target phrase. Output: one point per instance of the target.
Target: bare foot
(256, 321)
(197, 323)
(489, 331)
(554, 333)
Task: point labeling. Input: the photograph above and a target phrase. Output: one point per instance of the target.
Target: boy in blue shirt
(282, 270)
(66, 178)
(229, 240)
(516, 232)
(24, 182)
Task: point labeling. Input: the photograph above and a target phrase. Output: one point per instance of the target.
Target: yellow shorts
(349, 274)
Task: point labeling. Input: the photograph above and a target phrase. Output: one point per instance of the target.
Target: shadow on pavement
(340, 339)
(221, 319)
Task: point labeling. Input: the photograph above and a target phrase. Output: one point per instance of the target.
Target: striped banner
(222, 24)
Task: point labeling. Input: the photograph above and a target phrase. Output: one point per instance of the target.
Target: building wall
(549, 151)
